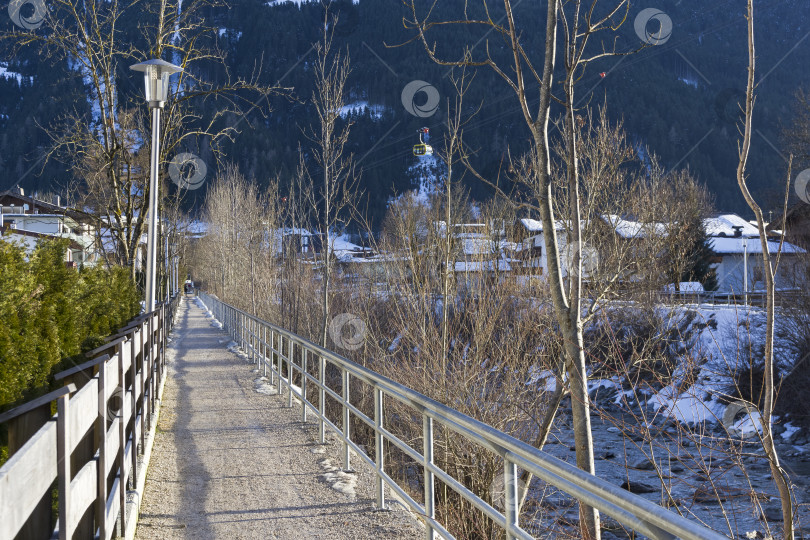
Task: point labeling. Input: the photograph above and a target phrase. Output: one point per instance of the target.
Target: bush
(47, 311)
(639, 344)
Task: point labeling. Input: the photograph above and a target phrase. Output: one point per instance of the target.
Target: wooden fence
(68, 474)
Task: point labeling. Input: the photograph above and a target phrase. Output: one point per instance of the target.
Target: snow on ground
(339, 480)
(543, 377)
(722, 346)
(263, 386)
(790, 429)
(427, 175)
(702, 384)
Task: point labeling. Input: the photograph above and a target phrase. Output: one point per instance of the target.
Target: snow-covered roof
(634, 229)
(535, 226)
(730, 246)
(723, 225)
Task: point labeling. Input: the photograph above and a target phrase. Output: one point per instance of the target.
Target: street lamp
(175, 271)
(156, 79)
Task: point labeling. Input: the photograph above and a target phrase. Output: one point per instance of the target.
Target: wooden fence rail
(84, 459)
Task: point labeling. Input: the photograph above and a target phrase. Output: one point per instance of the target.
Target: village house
(27, 219)
(738, 256)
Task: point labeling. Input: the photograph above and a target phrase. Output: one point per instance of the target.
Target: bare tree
(329, 137)
(780, 477)
(579, 23)
(108, 149)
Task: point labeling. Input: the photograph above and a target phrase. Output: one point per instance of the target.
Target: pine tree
(700, 268)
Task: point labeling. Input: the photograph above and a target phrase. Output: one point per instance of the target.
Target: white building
(27, 219)
(738, 264)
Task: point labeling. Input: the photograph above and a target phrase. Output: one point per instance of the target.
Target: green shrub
(49, 312)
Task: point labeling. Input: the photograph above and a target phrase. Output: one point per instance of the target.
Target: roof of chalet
(723, 225)
(535, 226)
(50, 208)
(732, 246)
(7, 231)
(633, 229)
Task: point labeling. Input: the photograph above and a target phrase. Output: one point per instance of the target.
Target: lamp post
(156, 81)
(175, 279)
(745, 270)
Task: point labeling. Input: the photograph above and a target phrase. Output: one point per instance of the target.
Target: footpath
(231, 461)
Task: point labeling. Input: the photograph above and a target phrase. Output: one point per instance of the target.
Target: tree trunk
(779, 475)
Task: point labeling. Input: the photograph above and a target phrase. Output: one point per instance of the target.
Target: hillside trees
(108, 148)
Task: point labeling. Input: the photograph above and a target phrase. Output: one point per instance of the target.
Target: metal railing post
(303, 383)
(430, 490)
(322, 398)
(264, 349)
(346, 426)
(510, 497)
(378, 446)
(272, 358)
(290, 352)
(249, 337)
(254, 336)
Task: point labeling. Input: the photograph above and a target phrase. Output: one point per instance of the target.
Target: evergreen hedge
(49, 312)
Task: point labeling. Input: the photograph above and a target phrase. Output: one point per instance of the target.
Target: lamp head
(156, 80)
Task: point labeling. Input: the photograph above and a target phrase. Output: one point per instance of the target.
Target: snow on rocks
(338, 480)
(262, 386)
(234, 348)
(790, 429)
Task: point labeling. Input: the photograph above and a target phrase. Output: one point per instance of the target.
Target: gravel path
(232, 462)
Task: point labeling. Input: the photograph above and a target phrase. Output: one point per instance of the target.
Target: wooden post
(20, 429)
(101, 437)
(63, 462)
(147, 344)
(142, 387)
(290, 352)
(122, 442)
(133, 410)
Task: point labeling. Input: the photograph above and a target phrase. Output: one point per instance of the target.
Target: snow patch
(687, 407)
(790, 429)
(338, 480)
(262, 386)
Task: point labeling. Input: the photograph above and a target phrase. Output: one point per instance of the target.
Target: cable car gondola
(423, 149)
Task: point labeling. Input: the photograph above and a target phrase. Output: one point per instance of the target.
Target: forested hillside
(678, 98)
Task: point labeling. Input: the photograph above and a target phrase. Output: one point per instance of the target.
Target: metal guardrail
(90, 447)
(272, 347)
